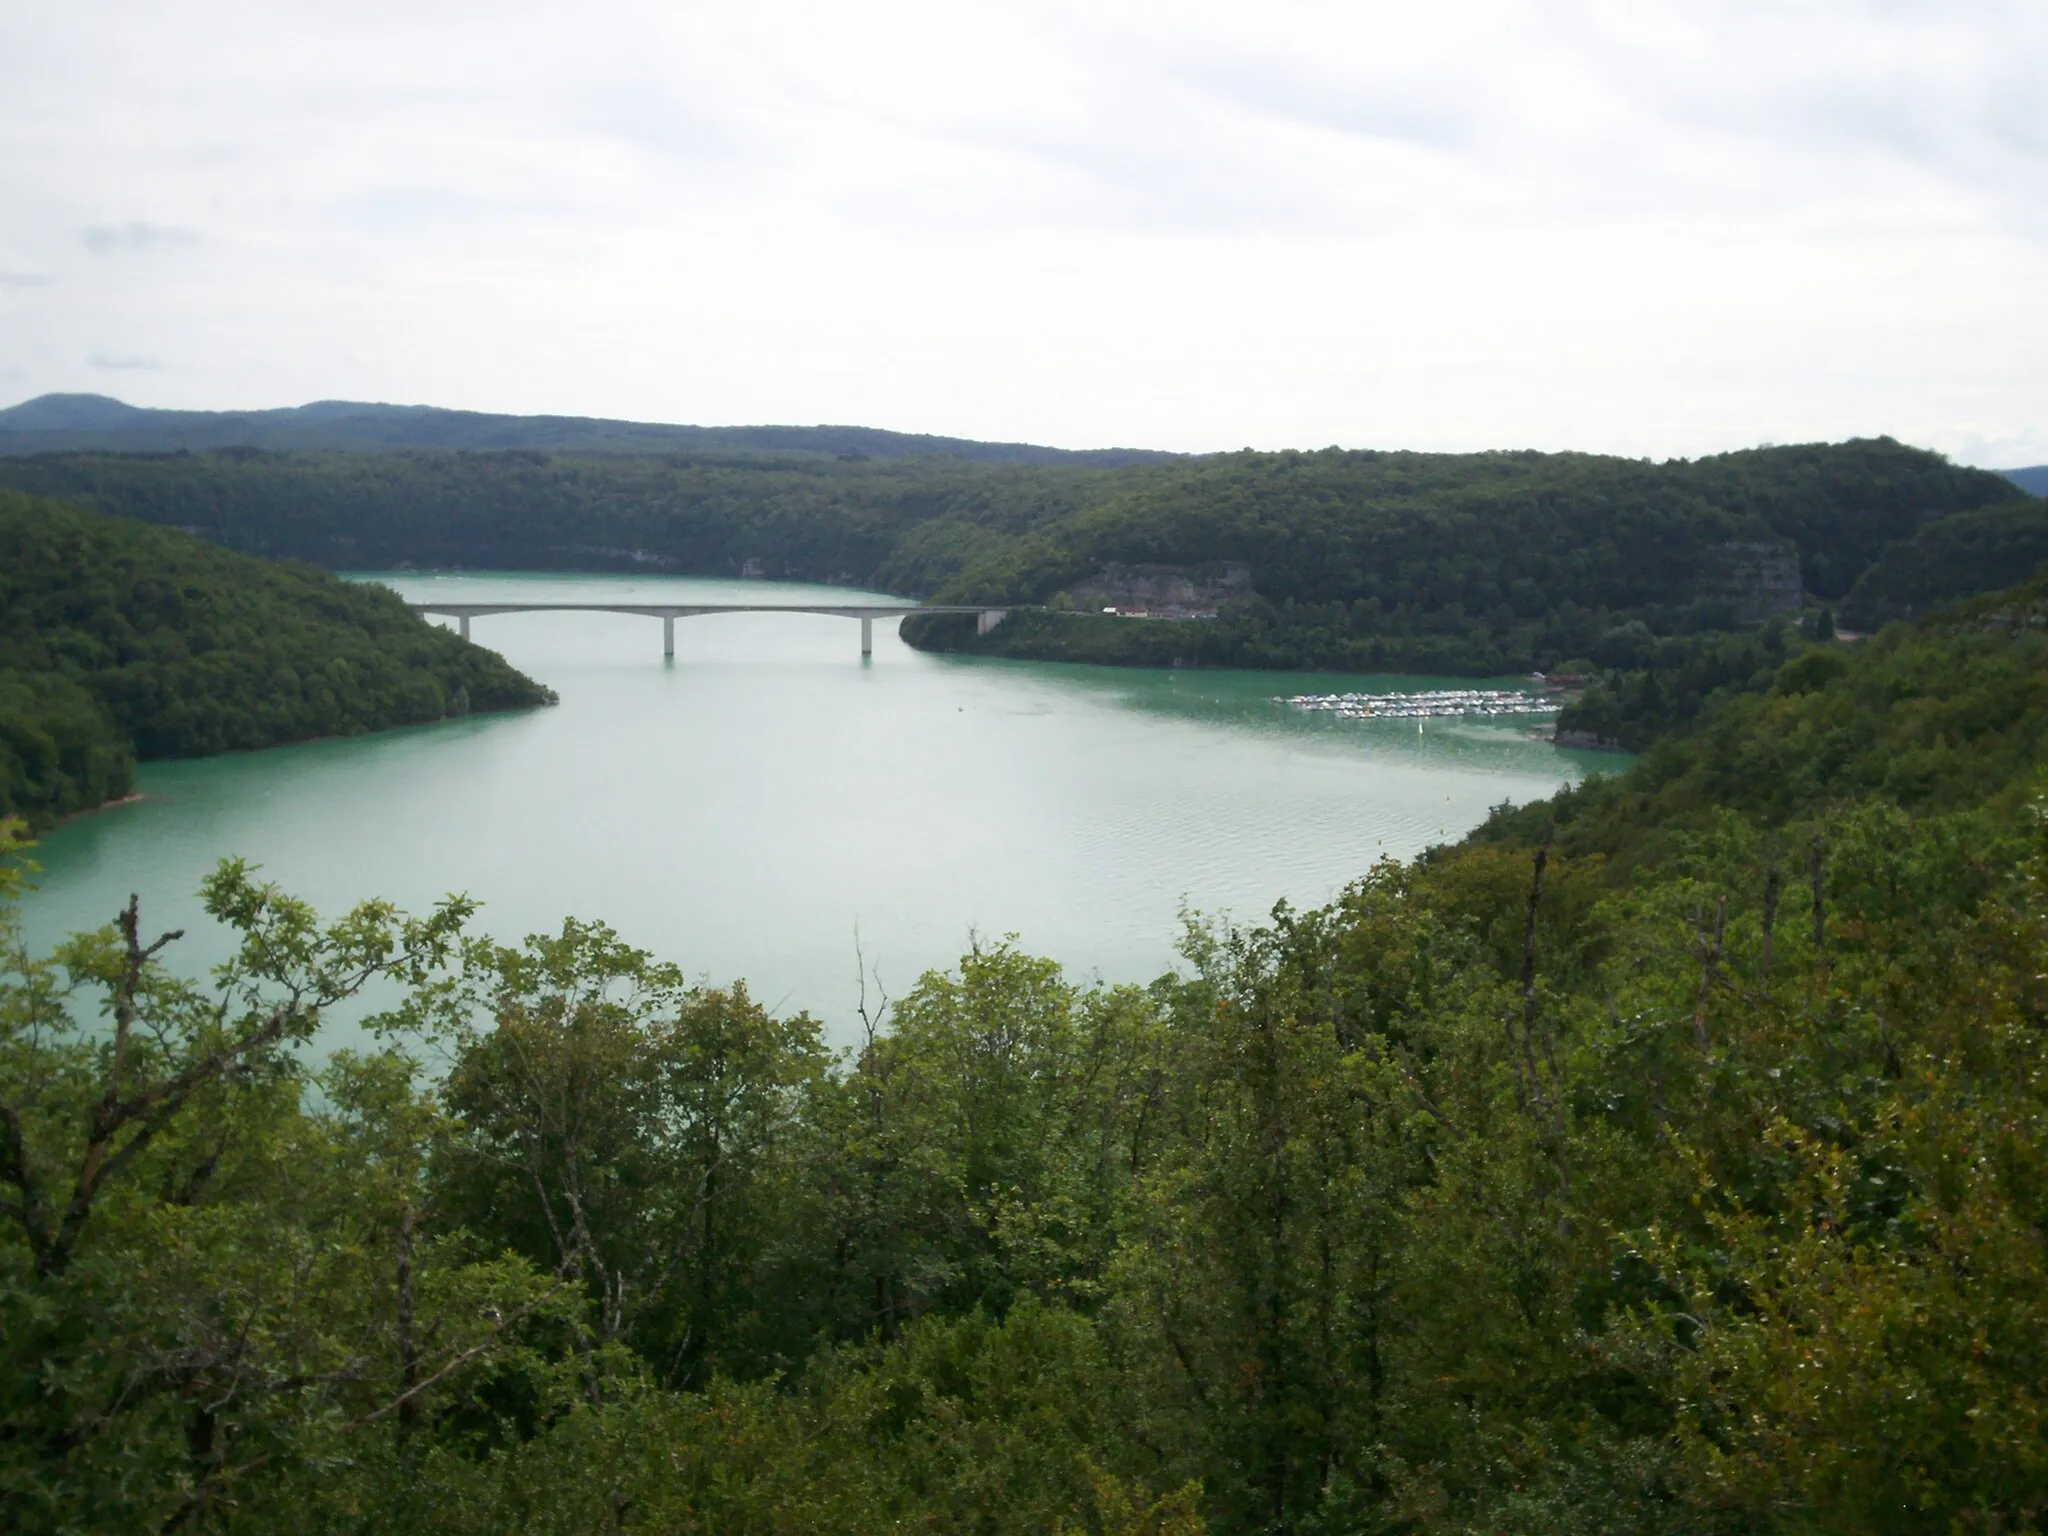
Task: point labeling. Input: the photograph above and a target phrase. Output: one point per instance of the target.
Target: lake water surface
(750, 808)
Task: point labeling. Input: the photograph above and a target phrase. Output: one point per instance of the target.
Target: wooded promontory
(120, 641)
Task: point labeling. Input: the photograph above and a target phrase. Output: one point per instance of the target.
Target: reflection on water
(751, 807)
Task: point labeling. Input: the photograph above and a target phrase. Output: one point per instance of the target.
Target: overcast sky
(1640, 227)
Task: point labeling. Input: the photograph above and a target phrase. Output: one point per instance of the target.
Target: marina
(1431, 704)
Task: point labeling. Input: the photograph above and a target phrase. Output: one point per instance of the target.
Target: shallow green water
(750, 808)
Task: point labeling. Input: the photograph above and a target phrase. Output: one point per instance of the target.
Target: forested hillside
(1660, 688)
(120, 641)
(1483, 564)
(1947, 714)
(1953, 558)
(803, 519)
(1668, 1158)
(1475, 563)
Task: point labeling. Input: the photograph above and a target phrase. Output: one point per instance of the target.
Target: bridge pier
(988, 619)
(867, 636)
(668, 637)
(463, 622)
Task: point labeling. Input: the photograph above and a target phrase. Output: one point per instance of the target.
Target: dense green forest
(1662, 686)
(1953, 558)
(120, 641)
(804, 519)
(1479, 564)
(1667, 1158)
(1938, 716)
(1365, 561)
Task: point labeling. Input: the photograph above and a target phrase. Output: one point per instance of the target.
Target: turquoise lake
(768, 805)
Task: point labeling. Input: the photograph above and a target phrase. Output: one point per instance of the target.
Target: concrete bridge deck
(986, 619)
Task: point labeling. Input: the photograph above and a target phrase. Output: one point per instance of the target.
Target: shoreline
(140, 797)
(133, 797)
(1586, 741)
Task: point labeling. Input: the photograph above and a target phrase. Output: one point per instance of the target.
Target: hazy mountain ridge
(2033, 480)
(60, 422)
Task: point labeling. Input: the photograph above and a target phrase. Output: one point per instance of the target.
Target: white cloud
(123, 362)
(111, 239)
(1650, 227)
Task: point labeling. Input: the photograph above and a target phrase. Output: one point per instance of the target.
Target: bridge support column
(668, 637)
(462, 623)
(867, 637)
(988, 619)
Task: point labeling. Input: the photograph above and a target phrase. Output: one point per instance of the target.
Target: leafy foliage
(623, 1129)
(1947, 714)
(120, 641)
(1660, 687)
(60, 750)
(1952, 558)
(290, 1299)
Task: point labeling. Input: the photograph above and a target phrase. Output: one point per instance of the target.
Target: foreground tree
(206, 1287)
(638, 1136)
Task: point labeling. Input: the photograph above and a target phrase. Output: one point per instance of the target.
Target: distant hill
(2033, 481)
(72, 422)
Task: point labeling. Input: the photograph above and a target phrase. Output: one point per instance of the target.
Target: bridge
(985, 619)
